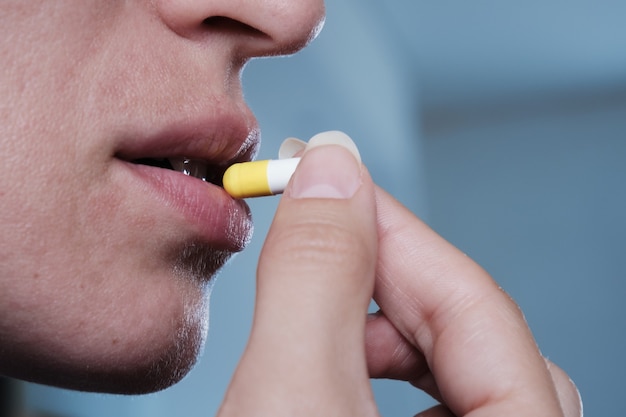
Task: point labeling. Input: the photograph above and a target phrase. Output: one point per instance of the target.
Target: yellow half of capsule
(247, 179)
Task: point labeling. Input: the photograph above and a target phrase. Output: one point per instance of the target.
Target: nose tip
(261, 27)
(295, 26)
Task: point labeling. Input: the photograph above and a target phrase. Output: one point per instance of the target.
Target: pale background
(502, 124)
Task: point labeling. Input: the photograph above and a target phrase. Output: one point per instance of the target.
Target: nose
(259, 27)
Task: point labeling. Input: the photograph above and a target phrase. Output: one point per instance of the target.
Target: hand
(444, 325)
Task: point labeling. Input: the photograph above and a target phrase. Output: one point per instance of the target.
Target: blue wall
(538, 197)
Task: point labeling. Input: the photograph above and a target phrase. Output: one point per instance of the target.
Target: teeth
(197, 169)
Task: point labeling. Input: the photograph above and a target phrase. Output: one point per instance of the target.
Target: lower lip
(213, 215)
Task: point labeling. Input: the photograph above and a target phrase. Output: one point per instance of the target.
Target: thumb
(315, 280)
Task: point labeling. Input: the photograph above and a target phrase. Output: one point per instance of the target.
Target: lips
(180, 166)
(216, 141)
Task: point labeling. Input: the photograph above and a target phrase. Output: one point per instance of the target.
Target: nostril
(226, 24)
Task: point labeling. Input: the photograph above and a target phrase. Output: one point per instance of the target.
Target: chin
(142, 373)
(157, 357)
(133, 354)
(140, 370)
(157, 335)
(143, 377)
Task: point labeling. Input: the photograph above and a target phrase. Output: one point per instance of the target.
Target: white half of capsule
(279, 172)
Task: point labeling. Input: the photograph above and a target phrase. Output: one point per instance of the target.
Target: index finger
(473, 336)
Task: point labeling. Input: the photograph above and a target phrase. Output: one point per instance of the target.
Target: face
(107, 253)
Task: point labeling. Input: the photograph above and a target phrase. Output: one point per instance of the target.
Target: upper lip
(219, 139)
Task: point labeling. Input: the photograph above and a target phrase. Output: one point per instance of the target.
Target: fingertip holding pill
(270, 177)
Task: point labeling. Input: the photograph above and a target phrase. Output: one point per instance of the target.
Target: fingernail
(328, 169)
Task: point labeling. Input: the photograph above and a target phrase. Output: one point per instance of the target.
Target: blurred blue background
(502, 124)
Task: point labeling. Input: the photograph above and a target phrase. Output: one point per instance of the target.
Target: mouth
(202, 170)
(174, 171)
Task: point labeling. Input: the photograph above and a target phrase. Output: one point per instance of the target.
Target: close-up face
(107, 248)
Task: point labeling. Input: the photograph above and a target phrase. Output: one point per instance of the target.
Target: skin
(104, 287)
